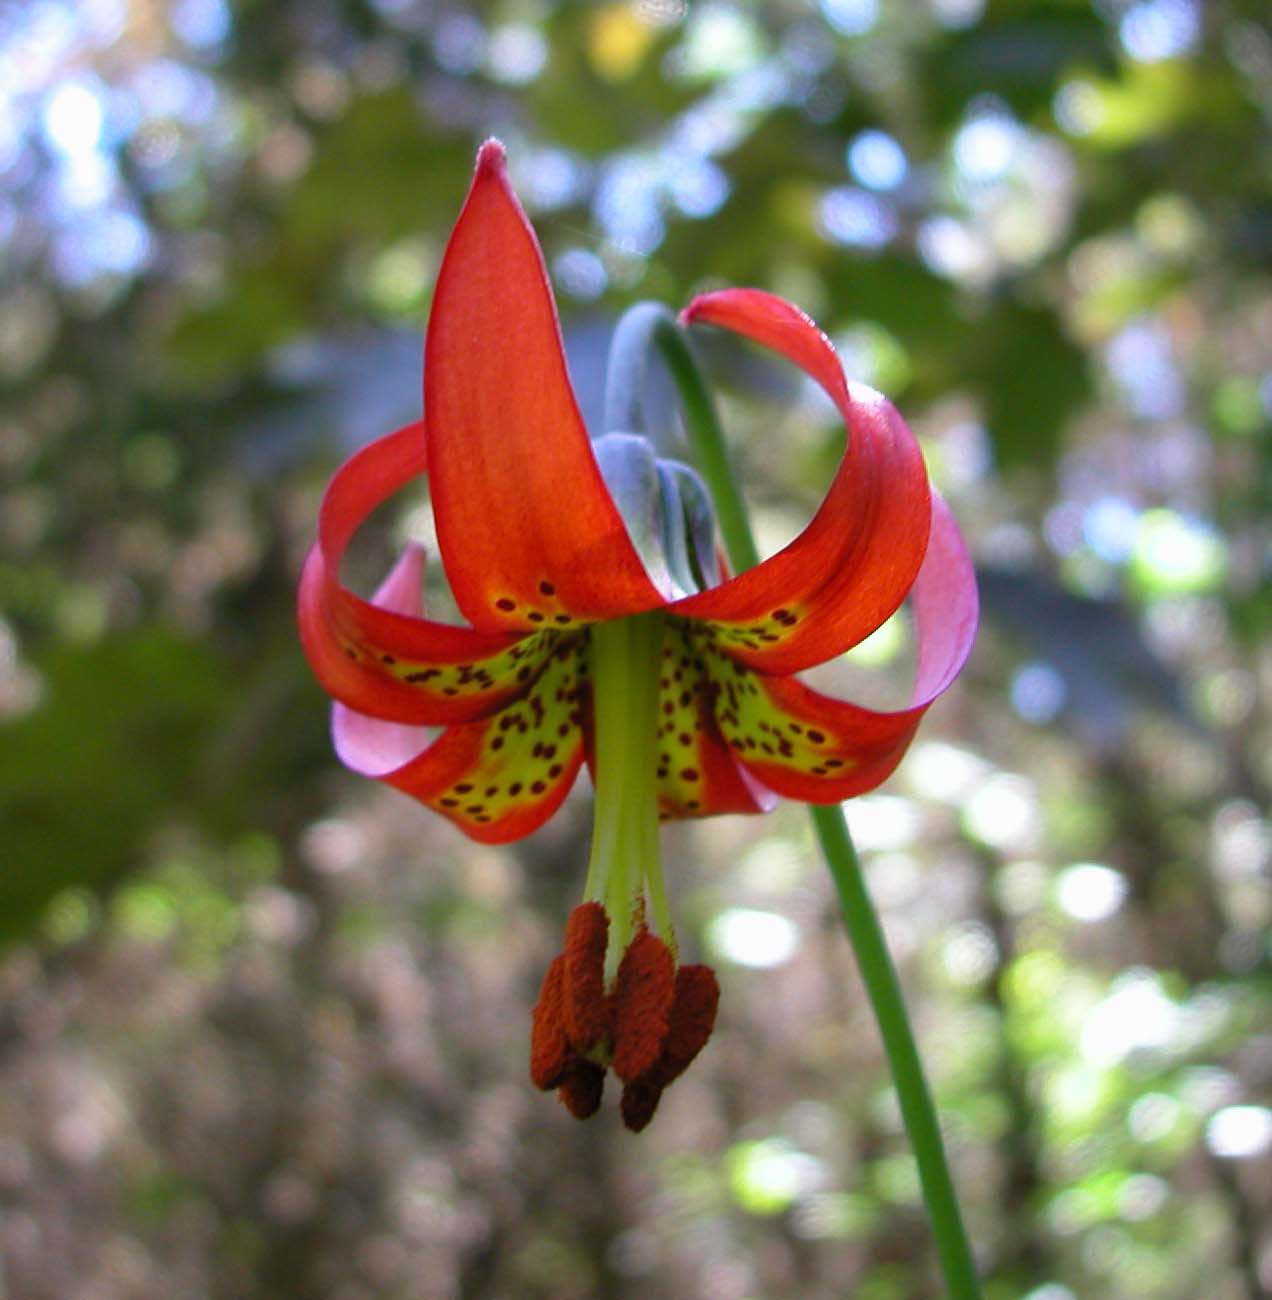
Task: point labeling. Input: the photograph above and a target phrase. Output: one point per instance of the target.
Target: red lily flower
(684, 705)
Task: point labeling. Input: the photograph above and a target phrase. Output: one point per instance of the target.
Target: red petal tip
(491, 157)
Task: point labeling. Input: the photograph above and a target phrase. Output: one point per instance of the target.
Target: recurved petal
(806, 745)
(529, 534)
(854, 563)
(497, 778)
(381, 657)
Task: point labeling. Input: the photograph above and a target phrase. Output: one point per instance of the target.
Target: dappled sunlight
(266, 1024)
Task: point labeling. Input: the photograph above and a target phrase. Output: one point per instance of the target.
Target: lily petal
(498, 778)
(529, 534)
(381, 658)
(854, 563)
(807, 746)
(697, 774)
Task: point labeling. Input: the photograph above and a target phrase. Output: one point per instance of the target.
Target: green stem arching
(860, 920)
(626, 656)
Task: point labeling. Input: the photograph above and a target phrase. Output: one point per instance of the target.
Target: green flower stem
(917, 1108)
(707, 441)
(860, 919)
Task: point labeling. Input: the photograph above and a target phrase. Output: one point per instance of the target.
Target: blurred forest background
(263, 1025)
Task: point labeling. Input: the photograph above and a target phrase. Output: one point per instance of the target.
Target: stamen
(639, 1101)
(585, 1003)
(693, 1016)
(582, 1087)
(550, 1053)
(643, 996)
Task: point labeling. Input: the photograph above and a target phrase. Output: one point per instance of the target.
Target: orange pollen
(649, 1026)
(550, 1051)
(645, 987)
(586, 1011)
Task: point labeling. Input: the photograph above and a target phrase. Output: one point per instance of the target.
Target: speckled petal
(501, 777)
(697, 775)
(854, 563)
(381, 657)
(808, 746)
(529, 534)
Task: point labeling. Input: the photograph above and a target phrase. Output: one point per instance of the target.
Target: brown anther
(693, 1013)
(640, 1100)
(643, 995)
(582, 1087)
(550, 1053)
(585, 1003)
(693, 1016)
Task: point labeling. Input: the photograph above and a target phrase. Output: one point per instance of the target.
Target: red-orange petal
(384, 659)
(523, 514)
(806, 745)
(501, 777)
(853, 564)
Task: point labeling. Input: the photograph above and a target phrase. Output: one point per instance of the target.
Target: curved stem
(917, 1109)
(706, 440)
(860, 919)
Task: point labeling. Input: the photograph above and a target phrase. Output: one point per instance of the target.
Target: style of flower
(600, 630)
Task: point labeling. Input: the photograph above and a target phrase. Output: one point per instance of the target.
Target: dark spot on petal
(506, 604)
(688, 773)
(816, 737)
(547, 588)
(534, 616)
(515, 788)
(537, 787)
(555, 770)
(561, 618)
(448, 803)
